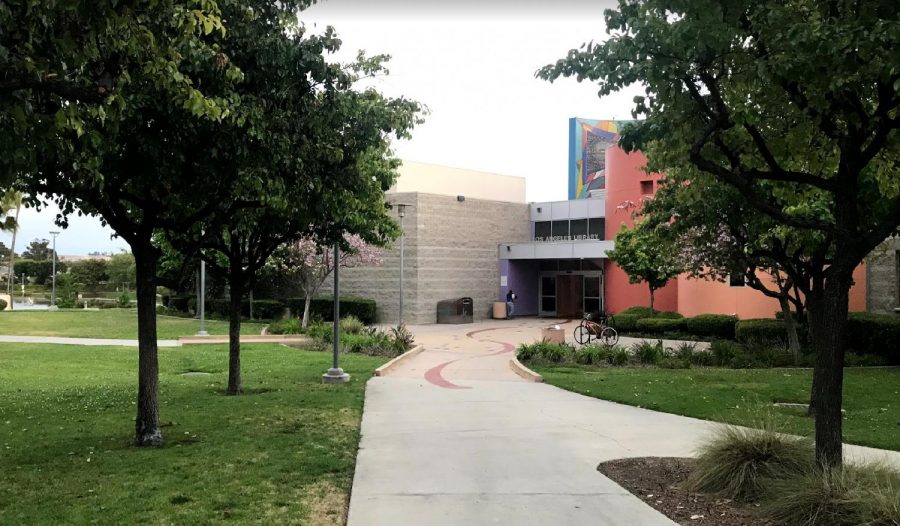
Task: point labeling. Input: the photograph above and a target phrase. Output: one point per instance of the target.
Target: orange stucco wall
(624, 173)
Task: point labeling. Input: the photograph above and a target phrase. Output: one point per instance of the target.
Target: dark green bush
(659, 325)
(619, 356)
(545, 352)
(288, 326)
(702, 358)
(645, 312)
(649, 353)
(761, 330)
(3, 304)
(264, 309)
(685, 351)
(724, 351)
(624, 322)
(323, 308)
(875, 334)
(184, 303)
(714, 325)
(673, 362)
(593, 354)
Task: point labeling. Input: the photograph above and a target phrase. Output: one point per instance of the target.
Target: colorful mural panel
(588, 140)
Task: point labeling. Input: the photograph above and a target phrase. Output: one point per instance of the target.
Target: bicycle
(588, 329)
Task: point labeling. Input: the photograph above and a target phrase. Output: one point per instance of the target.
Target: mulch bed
(657, 481)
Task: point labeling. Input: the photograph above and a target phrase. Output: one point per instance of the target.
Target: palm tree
(9, 201)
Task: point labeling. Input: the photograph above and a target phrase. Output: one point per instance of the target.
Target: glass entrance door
(593, 294)
(548, 296)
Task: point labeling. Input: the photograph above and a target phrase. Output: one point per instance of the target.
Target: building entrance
(570, 294)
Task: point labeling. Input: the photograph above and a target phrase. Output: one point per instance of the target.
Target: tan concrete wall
(450, 252)
(882, 278)
(444, 180)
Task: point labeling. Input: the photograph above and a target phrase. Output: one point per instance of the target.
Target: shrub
(288, 326)
(645, 312)
(619, 356)
(183, 303)
(593, 354)
(738, 463)
(526, 352)
(323, 308)
(673, 362)
(649, 353)
(264, 309)
(875, 334)
(320, 331)
(546, 352)
(702, 358)
(762, 330)
(724, 351)
(624, 322)
(763, 354)
(66, 291)
(714, 325)
(854, 495)
(124, 300)
(403, 337)
(659, 325)
(2, 304)
(685, 351)
(351, 325)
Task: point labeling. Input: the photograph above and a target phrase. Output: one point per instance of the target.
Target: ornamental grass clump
(593, 354)
(649, 353)
(738, 463)
(852, 496)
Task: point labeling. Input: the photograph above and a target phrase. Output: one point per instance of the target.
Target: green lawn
(281, 454)
(106, 323)
(745, 396)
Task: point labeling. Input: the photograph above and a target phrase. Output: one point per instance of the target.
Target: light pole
(53, 290)
(401, 213)
(202, 303)
(336, 375)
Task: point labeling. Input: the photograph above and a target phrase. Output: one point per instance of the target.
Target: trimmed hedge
(645, 312)
(875, 334)
(760, 330)
(659, 325)
(624, 322)
(716, 325)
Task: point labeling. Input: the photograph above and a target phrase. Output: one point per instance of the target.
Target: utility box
(457, 310)
(553, 334)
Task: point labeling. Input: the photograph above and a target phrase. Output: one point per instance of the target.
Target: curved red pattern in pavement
(434, 376)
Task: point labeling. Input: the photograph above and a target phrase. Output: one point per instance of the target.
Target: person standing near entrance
(510, 304)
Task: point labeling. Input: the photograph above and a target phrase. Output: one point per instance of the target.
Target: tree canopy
(646, 257)
(794, 105)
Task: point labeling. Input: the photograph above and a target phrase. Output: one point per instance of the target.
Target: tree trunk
(828, 306)
(236, 286)
(651, 300)
(306, 310)
(12, 261)
(146, 423)
(790, 324)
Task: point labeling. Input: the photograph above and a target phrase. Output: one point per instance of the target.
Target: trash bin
(458, 310)
(499, 310)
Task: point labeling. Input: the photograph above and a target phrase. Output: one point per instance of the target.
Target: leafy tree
(120, 270)
(718, 236)
(39, 272)
(67, 288)
(38, 250)
(795, 105)
(89, 272)
(645, 257)
(9, 201)
(310, 263)
(4, 251)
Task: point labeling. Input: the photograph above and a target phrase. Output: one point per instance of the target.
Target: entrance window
(592, 294)
(561, 230)
(548, 295)
(578, 229)
(596, 228)
(542, 231)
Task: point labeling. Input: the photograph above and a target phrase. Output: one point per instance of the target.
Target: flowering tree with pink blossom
(310, 263)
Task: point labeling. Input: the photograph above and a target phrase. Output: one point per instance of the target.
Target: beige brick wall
(450, 252)
(881, 278)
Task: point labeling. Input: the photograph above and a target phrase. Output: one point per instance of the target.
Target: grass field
(745, 396)
(106, 323)
(282, 454)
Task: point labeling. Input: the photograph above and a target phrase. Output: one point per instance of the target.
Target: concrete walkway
(454, 437)
(82, 341)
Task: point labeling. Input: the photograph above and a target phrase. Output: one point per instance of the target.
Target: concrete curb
(384, 369)
(523, 371)
(246, 338)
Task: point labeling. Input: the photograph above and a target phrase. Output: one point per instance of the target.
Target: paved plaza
(453, 436)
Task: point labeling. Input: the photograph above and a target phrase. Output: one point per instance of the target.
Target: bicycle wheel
(609, 336)
(582, 334)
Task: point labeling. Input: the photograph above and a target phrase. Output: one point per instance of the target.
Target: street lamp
(336, 375)
(53, 292)
(401, 213)
(202, 303)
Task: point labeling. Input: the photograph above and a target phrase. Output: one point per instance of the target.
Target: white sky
(473, 64)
